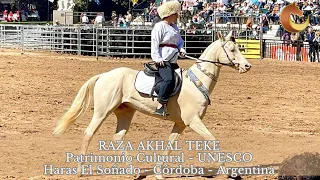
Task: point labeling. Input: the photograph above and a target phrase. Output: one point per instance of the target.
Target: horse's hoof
(136, 176)
(159, 177)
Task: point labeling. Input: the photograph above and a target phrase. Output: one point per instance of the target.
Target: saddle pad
(144, 83)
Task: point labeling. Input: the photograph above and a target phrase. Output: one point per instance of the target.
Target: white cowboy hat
(169, 8)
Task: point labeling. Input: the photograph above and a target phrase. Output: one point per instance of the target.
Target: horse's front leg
(178, 128)
(197, 125)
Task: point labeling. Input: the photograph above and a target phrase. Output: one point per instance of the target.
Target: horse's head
(229, 53)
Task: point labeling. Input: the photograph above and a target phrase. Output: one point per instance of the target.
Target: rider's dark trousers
(166, 84)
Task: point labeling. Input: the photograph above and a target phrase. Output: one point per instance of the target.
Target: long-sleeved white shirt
(163, 33)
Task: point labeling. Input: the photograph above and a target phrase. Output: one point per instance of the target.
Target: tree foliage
(81, 5)
(125, 3)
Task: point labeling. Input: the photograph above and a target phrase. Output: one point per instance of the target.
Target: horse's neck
(208, 82)
(209, 54)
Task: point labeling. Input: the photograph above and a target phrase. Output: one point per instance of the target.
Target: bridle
(231, 63)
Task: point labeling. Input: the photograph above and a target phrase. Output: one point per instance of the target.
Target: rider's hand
(182, 53)
(160, 62)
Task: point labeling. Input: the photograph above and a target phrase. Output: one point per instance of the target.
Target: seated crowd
(17, 16)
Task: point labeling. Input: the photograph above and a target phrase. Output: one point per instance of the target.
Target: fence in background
(136, 42)
(106, 41)
(288, 51)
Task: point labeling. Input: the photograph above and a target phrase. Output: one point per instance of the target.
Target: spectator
(18, 16)
(15, 17)
(294, 37)
(317, 44)
(244, 8)
(128, 18)
(310, 39)
(5, 15)
(10, 16)
(275, 15)
(265, 23)
(121, 21)
(261, 3)
(287, 37)
(84, 19)
(316, 15)
(114, 18)
(36, 14)
(297, 41)
(156, 20)
(249, 25)
(99, 20)
(184, 6)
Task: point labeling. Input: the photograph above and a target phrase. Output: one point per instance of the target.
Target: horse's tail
(79, 106)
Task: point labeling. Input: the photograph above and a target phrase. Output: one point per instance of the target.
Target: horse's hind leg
(124, 116)
(95, 123)
(102, 109)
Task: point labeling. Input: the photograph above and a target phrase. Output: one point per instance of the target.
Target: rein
(215, 62)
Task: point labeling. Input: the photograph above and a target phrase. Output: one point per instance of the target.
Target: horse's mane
(205, 52)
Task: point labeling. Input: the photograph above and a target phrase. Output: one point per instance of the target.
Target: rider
(166, 45)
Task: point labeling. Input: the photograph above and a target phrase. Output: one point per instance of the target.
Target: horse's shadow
(208, 173)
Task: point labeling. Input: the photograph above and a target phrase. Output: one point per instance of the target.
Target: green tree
(81, 5)
(125, 3)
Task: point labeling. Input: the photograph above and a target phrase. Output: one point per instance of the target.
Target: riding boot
(162, 111)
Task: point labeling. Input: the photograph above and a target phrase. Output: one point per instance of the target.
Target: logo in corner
(300, 166)
(287, 22)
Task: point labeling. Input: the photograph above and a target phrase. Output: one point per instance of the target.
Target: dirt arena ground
(273, 112)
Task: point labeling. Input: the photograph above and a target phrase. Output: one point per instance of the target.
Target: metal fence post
(79, 41)
(261, 38)
(22, 41)
(108, 43)
(50, 38)
(1, 35)
(97, 43)
(185, 37)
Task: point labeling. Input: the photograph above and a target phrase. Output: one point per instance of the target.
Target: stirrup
(162, 111)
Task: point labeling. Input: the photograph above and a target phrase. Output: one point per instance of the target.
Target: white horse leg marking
(177, 129)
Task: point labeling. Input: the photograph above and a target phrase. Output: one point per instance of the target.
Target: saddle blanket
(144, 83)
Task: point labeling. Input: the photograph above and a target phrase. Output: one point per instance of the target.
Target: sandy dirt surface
(273, 112)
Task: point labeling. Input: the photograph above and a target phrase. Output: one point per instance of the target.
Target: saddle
(147, 80)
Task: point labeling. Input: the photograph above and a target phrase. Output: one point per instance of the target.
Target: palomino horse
(114, 91)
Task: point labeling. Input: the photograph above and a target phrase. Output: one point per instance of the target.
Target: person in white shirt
(98, 20)
(166, 44)
(15, 17)
(84, 19)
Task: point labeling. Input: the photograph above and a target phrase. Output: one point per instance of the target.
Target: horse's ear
(220, 36)
(228, 37)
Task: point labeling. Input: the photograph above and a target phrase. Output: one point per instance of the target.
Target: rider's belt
(168, 45)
